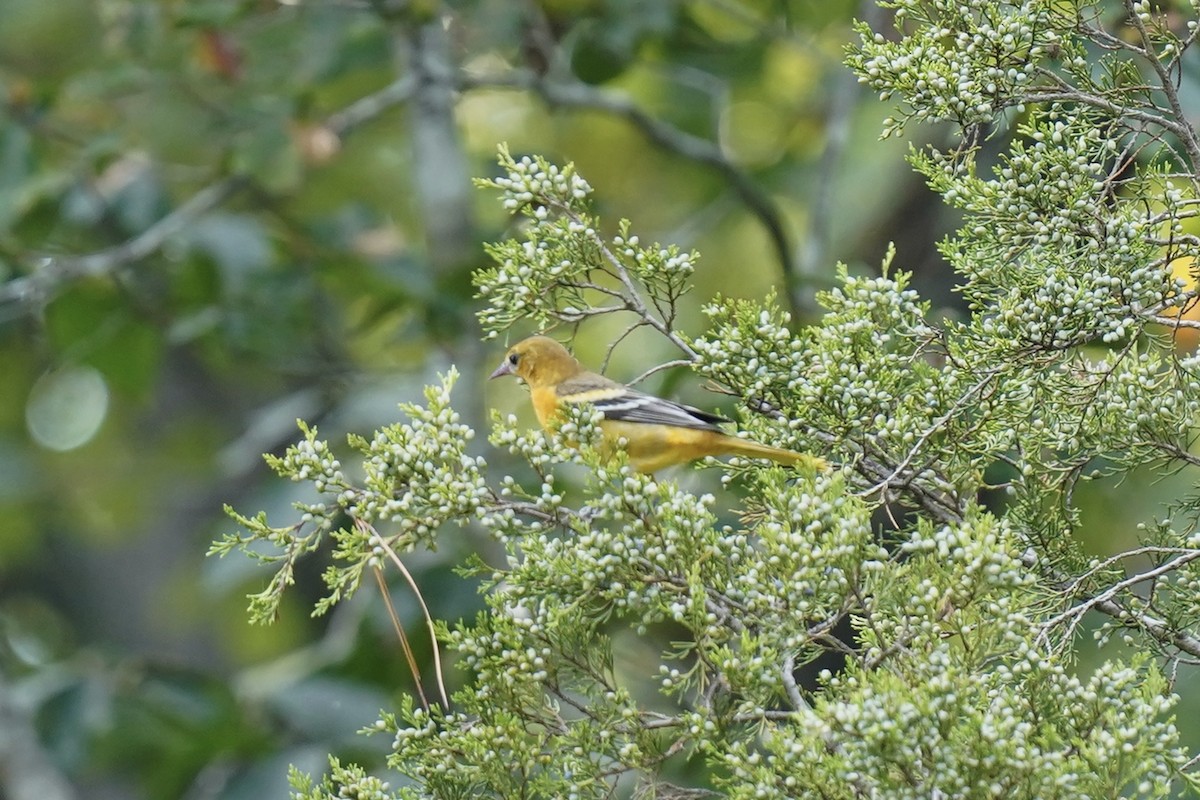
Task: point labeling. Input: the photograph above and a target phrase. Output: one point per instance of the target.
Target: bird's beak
(505, 368)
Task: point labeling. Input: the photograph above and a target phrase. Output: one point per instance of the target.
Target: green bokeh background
(333, 284)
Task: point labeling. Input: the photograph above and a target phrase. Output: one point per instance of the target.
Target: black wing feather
(618, 402)
(644, 408)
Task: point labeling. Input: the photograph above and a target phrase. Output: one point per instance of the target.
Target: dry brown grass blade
(437, 657)
(408, 653)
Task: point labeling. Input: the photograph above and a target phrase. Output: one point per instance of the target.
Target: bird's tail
(745, 447)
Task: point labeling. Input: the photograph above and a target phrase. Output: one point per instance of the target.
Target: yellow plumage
(658, 433)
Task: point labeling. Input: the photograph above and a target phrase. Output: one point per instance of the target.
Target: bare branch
(1167, 86)
(365, 109)
(789, 684)
(1106, 603)
(40, 286)
(1175, 322)
(1154, 627)
(27, 770)
(1067, 93)
(612, 346)
(43, 283)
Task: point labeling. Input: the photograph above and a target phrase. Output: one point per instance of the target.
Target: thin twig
(631, 296)
(929, 432)
(1175, 322)
(679, 362)
(1112, 561)
(1070, 94)
(613, 344)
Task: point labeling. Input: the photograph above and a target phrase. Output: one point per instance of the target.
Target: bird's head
(539, 361)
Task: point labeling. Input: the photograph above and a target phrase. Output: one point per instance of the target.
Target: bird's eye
(513, 358)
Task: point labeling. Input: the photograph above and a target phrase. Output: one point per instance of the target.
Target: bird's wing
(618, 402)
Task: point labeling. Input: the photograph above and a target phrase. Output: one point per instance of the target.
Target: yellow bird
(657, 432)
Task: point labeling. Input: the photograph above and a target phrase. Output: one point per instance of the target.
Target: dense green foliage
(954, 675)
(219, 216)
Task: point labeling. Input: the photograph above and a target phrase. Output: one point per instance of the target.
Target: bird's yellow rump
(657, 432)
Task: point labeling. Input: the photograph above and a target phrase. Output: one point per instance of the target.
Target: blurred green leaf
(168, 724)
(331, 708)
(47, 41)
(598, 59)
(268, 155)
(208, 13)
(238, 245)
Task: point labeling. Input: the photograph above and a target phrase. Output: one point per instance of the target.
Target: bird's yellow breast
(653, 447)
(545, 404)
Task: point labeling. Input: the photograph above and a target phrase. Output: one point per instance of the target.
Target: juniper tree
(952, 627)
